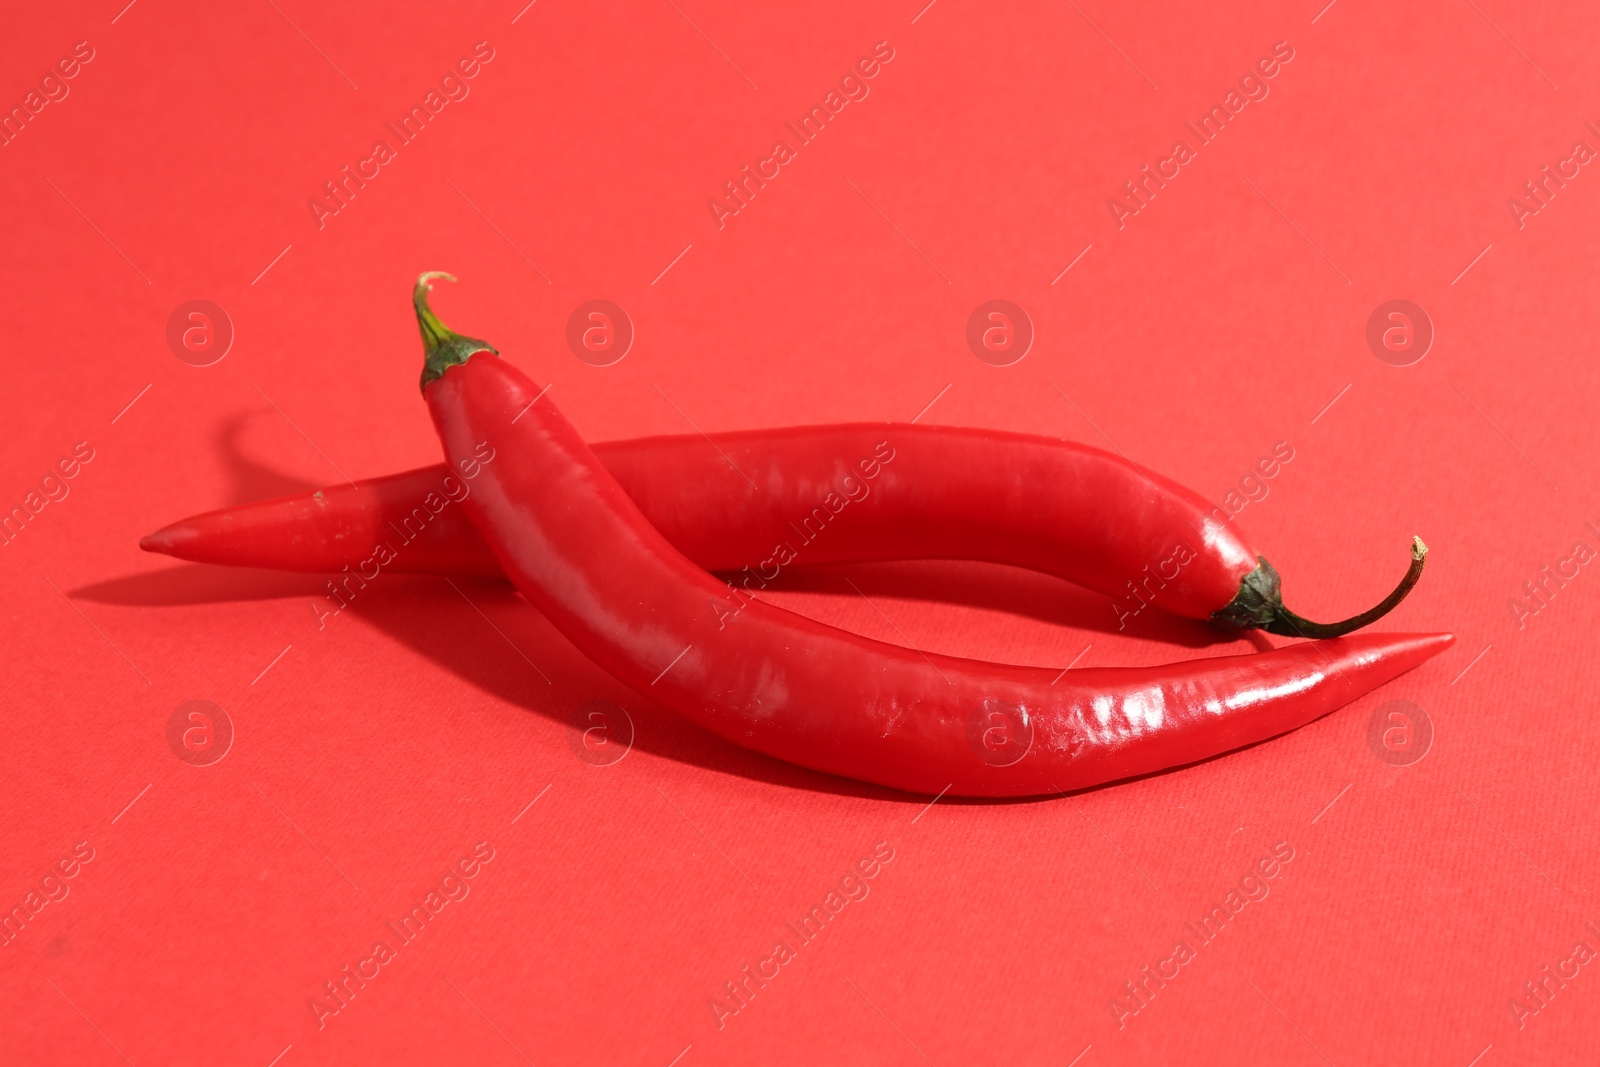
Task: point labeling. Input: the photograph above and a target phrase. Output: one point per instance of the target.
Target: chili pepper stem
(1259, 603)
(442, 347)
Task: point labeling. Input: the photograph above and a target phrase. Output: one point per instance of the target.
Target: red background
(1221, 319)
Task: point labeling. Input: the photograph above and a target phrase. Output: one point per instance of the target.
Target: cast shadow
(997, 587)
(251, 480)
(435, 620)
(444, 624)
(199, 583)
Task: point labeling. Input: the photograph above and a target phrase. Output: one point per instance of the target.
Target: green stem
(442, 347)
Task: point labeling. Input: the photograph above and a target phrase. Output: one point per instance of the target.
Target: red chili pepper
(580, 550)
(761, 500)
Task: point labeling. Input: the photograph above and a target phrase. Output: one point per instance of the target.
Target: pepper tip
(165, 540)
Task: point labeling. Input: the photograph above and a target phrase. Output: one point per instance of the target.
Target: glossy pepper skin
(826, 494)
(581, 551)
(754, 502)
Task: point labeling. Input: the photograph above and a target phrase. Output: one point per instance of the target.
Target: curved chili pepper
(581, 551)
(761, 500)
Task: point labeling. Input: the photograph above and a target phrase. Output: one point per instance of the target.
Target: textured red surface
(370, 756)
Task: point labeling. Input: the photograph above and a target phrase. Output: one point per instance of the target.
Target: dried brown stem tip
(1259, 604)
